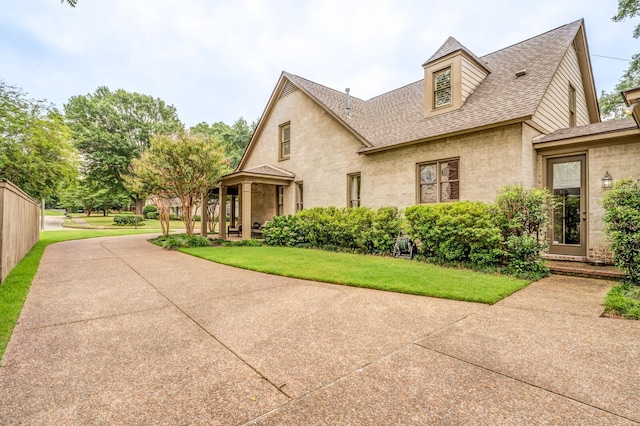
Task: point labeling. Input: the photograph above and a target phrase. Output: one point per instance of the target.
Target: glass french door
(566, 178)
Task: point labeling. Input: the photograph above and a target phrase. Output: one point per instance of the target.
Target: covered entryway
(263, 181)
(566, 179)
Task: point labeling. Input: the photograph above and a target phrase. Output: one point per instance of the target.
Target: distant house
(526, 114)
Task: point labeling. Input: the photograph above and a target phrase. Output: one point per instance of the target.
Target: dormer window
(442, 88)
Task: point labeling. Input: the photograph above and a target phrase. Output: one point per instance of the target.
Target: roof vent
(348, 107)
(521, 73)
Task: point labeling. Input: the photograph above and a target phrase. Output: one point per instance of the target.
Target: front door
(566, 178)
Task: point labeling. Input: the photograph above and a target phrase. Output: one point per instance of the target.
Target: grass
(53, 212)
(624, 301)
(98, 220)
(14, 290)
(381, 273)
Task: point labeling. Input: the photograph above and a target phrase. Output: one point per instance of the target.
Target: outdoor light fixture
(607, 180)
(629, 109)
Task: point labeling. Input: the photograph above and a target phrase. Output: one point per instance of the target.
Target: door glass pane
(566, 191)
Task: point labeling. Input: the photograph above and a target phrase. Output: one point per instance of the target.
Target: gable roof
(452, 46)
(397, 117)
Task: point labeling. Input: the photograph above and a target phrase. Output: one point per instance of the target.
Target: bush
(174, 242)
(622, 226)
(462, 231)
(150, 211)
(522, 216)
(128, 220)
(337, 229)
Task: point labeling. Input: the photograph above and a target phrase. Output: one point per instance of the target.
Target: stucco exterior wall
(489, 159)
(323, 152)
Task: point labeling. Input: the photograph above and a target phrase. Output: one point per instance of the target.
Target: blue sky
(219, 60)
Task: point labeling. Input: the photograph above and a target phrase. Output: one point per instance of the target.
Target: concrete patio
(116, 330)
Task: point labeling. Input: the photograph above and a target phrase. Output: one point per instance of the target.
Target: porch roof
(263, 173)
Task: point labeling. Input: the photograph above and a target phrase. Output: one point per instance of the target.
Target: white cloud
(217, 60)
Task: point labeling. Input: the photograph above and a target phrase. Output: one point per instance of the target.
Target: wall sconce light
(628, 110)
(607, 180)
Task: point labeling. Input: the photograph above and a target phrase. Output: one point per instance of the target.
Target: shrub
(337, 229)
(150, 209)
(152, 215)
(176, 241)
(622, 226)
(128, 220)
(462, 231)
(522, 216)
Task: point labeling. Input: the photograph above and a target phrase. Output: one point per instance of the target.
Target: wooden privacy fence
(19, 226)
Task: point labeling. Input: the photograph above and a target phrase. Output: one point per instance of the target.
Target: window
(572, 106)
(439, 181)
(299, 196)
(442, 88)
(279, 200)
(285, 141)
(354, 190)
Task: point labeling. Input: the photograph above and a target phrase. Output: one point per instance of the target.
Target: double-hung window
(439, 181)
(442, 88)
(285, 141)
(279, 200)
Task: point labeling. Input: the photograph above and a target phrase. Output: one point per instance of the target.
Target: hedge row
(355, 229)
(128, 220)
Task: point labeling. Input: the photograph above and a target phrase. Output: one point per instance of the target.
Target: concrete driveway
(118, 331)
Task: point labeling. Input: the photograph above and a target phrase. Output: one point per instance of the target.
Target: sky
(220, 60)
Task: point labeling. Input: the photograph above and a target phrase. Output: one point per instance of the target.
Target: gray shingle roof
(450, 46)
(397, 117)
(590, 130)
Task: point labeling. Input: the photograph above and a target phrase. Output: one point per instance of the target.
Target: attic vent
(521, 73)
(287, 90)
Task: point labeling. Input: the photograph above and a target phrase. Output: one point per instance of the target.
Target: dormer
(450, 76)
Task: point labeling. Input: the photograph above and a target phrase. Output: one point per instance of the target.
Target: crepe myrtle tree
(184, 165)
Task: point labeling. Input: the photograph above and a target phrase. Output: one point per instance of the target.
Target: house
(523, 115)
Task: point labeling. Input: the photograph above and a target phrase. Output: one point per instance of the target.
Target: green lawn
(97, 219)
(14, 290)
(52, 212)
(382, 273)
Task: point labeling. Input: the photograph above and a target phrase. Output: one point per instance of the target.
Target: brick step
(578, 269)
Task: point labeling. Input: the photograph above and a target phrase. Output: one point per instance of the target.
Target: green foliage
(111, 128)
(149, 208)
(124, 219)
(174, 242)
(628, 9)
(152, 215)
(622, 226)
(185, 165)
(353, 229)
(233, 138)
(623, 300)
(522, 216)
(463, 231)
(36, 152)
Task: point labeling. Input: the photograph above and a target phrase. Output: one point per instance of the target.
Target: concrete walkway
(117, 331)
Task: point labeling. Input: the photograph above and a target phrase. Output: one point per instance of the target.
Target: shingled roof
(610, 126)
(397, 117)
(451, 46)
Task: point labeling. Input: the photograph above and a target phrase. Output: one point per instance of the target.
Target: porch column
(222, 203)
(246, 210)
(204, 214)
(233, 211)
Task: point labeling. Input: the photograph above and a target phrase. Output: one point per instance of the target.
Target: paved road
(117, 331)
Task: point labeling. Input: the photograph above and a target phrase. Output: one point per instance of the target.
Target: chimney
(348, 107)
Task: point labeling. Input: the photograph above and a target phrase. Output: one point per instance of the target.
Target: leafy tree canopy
(35, 144)
(111, 128)
(611, 103)
(234, 138)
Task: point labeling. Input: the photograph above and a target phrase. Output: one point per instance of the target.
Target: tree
(233, 138)
(184, 165)
(35, 144)
(71, 3)
(611, 104)
(112, 128)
